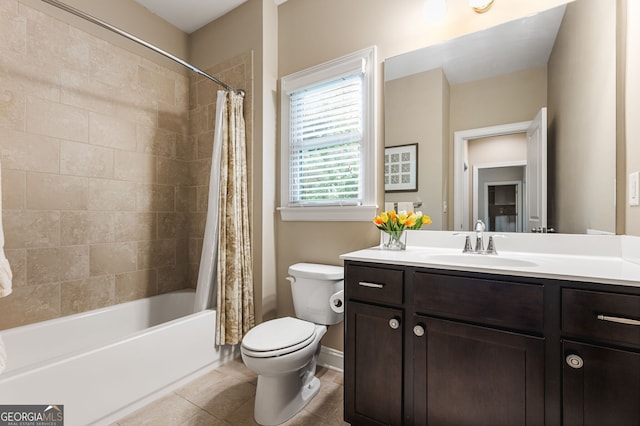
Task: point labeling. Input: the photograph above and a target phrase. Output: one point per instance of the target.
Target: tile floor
(225, 396)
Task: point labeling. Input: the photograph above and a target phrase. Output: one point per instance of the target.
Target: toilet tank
(312, 285)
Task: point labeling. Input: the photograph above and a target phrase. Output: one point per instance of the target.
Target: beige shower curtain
(235, 310)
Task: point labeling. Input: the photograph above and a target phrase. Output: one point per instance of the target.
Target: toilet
(283, 352)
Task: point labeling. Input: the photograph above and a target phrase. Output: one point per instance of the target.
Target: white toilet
(284, 351)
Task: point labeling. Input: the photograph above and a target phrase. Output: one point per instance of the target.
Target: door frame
(521, 186)
(460, 144)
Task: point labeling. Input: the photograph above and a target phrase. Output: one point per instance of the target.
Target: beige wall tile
(135, 285)
(49, 265)
(202, 200)
(27, 305)
(53, 192)
(112, 195)
(135, 167)
(112, 258)
(201, 172)
(81, 159)
(156, 87)
(85, 295)
(172, 278)
(156, 253)
(205, 145)
(173, 172)
(12, 110)
(173, 121)
(14, 33)
(152, 140)
(156, 198)
(22, 151)
(14, 187)
(185, 147)
(18, 264)
(185, 198)
(112, 132)
(173, 225)
(86, 227)
(85, 92)
(201, 119)
(30, 229)
(57, 120)
(133, 226)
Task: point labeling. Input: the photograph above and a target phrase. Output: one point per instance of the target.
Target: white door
(536, 184)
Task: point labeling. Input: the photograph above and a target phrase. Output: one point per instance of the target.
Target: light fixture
(480, 6)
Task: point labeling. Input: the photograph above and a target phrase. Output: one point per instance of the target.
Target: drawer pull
(619, 320)
(574, 361)
(418, 330)
(370, 285)
(394, 323)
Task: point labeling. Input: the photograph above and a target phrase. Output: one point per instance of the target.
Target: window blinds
(326, 142)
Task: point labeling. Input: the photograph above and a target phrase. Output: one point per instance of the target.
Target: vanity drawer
(505, 304)
(604, 316)
(375, 284)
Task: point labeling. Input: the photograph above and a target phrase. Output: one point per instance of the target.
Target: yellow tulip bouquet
(394, 224)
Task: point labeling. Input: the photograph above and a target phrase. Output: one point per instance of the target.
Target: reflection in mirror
(563, 59)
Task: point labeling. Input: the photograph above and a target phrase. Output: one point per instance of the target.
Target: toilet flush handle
(291, 280)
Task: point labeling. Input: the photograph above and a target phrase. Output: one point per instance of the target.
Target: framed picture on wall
(401, 168)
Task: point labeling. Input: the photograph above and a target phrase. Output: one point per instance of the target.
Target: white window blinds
(326, 136)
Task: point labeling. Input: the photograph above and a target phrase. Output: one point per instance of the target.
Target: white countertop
(607, 259)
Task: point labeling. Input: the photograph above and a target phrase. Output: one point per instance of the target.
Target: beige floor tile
(226, 396)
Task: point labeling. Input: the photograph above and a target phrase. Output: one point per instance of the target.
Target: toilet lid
(278, 334)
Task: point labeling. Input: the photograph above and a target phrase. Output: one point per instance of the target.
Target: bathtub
(106, 363)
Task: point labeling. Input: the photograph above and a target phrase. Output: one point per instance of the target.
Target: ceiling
(506, 48)
(190, 15)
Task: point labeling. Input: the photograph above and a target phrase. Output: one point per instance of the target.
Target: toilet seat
(278, 337)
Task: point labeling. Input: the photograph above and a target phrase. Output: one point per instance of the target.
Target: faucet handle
(491, 246)
(480, 226)
(467, 243)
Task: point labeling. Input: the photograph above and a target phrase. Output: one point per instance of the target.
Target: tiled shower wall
(101, 179)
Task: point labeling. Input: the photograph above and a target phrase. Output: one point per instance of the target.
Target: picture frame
(401, 168)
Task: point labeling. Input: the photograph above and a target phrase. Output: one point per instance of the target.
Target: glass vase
(396, 240)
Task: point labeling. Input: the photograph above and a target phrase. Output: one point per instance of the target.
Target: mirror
(563, 59)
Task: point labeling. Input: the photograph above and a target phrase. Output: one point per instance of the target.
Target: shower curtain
(226, 263)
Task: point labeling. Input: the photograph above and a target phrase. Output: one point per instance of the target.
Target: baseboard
(331, 358)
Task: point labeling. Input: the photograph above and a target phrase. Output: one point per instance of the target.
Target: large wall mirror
(469, 103)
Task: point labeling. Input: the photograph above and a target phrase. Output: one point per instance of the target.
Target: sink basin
(481, 260)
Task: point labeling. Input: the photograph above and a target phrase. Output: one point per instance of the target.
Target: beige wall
(415, 107)
(312, 32)
(95, 166)
(582, 119)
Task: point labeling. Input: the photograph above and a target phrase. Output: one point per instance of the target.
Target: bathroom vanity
(436, 337)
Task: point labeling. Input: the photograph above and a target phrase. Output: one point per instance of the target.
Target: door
(373, 365)
(600, 387)
(471, 375)
(536, 183)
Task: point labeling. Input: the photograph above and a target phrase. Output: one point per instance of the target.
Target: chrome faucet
(479, 230)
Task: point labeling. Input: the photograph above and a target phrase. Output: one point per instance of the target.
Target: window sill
(328, 213)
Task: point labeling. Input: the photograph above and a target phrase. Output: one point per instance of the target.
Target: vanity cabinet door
(600, 386)
(471, 375)
(373, 365)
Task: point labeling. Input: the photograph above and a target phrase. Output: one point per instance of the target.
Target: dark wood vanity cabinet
(473, 361)
(374, 325)
(601, 369)
(432, 347)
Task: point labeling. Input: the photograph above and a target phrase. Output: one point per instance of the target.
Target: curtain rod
(131, 37)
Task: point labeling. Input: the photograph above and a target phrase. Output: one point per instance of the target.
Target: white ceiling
(190, 15)
(506, 48)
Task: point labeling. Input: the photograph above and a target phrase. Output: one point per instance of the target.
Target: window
(328, 140)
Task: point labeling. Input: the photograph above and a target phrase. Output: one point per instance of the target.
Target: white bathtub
(105, 363)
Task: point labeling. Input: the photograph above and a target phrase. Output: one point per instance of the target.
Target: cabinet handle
(619, 320)
(370, 285)
(574, 361)
(394, 323)
(418, 330)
